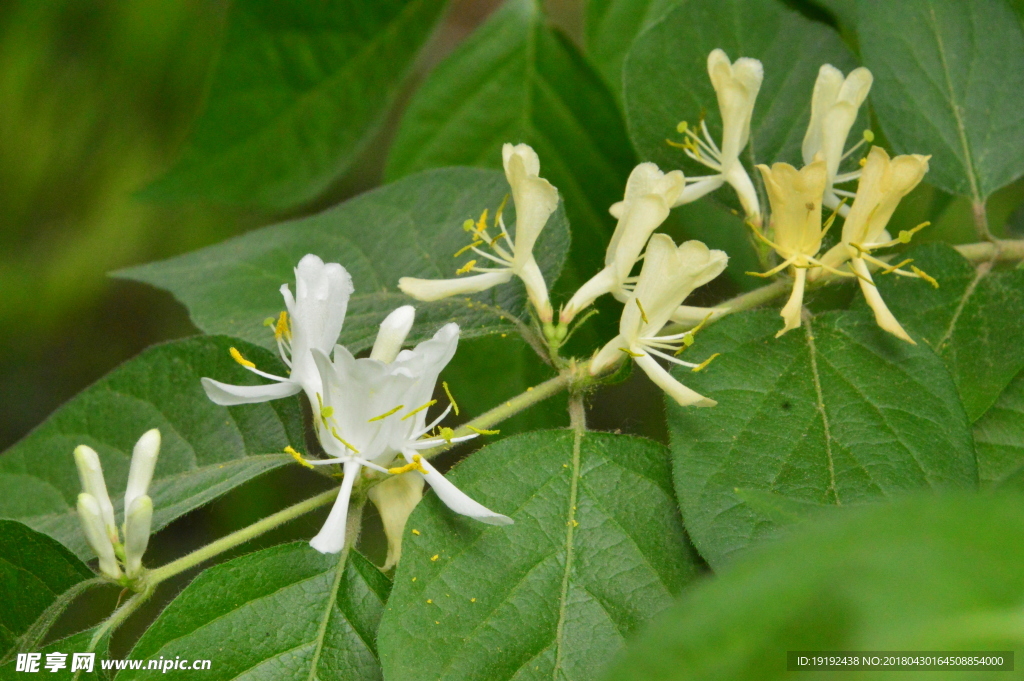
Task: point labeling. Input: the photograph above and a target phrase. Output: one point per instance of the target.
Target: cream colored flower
(535, 200)
(668, 276)
(736, 86)
(649, 196)
(834, 106)
(883, 184)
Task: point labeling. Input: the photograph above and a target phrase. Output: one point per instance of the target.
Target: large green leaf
(34, 571)
(299, 90)
(949, 81)
(999, 438)
(68, 645)
(666, 78)
(974, 320)
(596, 549)
(409, 228)
(922, 574)
(287, 612)
(207, 449)
(517, 79)
(612, 25)
(837, 412)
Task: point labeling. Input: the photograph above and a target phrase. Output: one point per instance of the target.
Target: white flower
(736, 86)
(795, 197)
(834, 107)
(535, 200)
(668, 276)
(96, 513)
(649, 196)
(312, 320)
(883, 183)
(374, 410)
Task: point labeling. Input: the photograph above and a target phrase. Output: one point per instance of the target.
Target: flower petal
(436, 289)
(395, 498)
(457, 500)
(795, 305)
(228, 395)
(676, 390)
(331, 538)
(883, 317)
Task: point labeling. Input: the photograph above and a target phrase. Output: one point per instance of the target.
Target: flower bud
(143, 462)
(92, 523)
(393, 330)
(90, 473)
(395, 499)
(137, 522)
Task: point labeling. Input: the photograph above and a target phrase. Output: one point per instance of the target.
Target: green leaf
(922, 574)
(974, 320)
(206, 451)
(612, 25)
(299, 91)
(287, 612)
(517, 79)
(409, 228)
(69, 645)
(596, 549)
(949, 82)
(999, 438)
(34, 571)
(837, 412)
(666, 78)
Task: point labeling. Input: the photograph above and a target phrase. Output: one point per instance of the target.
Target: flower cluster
(368, 412)
(119, 560)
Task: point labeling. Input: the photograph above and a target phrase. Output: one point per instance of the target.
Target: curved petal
(436, 289)
(459, 501)
(676, 390)
(228, 395)
(883, 316)
(331, 538)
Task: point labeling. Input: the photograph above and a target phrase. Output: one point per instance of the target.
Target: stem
(981, 221)
(532, 396)
(577, 413)
(236, 538)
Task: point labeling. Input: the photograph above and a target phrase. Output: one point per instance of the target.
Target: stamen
(468, 225)
(921, 273)
(444, 384)
(420, 408)
(893, 268)
(298, 457)
(907, 234)
(481, 224)
(706, 362)
(481, 431)
(269, 321)
(832, 218)
(446, 434)
(643, 315)
(386, 414)
(237, 356)
(631, 353)
(468, 267)
(326, 412)
(415, 465)
(334, 432)
(462, 250)
(282, 329)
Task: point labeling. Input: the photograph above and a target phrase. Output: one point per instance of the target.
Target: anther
(237, 356)
(921, 273)
(281, 329)
(481, 431)
(631, 353)
(462, 250)
(386, 414)
(468, 267)
(297, 456)
(643, 314)
(705, 363)
(444, 384)
(418, 409)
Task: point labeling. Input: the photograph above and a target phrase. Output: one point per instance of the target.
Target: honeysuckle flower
(312, 319)
(374, 409)
(834, 106)
(736, 87)
(649, 196)
(883, 184)
(535, 200)
(795, 197)
(96, 512)
(668, 276)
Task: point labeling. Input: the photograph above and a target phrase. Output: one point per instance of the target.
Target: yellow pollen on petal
(468, 267)
(921, 273)
(386, 414)
(476, 242)
(298, 457)
(420, 408)
(706, 362)
(631, 353)
(282, 329)
(237, 356)
(455, 407)
(481, 431)
(643, 314)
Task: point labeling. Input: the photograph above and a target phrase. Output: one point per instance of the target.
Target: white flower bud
(137, 522)
(392, 334)
(143, 462)
(90, 473)
(92, 523)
